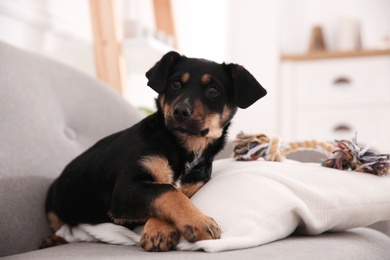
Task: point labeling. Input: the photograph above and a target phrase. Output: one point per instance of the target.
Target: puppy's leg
(193, 225)
(55, 223)
(191, 189)
(159, 236)
(135, 199)
(51, 241)
(165, 202)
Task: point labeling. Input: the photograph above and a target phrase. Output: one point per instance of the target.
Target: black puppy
(148, 172)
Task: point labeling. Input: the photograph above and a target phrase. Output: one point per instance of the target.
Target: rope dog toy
(345, 155)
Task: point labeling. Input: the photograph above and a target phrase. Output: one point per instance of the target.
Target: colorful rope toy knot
(346, 155)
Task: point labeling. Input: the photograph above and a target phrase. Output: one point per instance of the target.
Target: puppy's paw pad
(204, 229)
(159, 241)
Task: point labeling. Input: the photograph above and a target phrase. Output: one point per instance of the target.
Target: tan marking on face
(205, 79)
(225, 115)
(213, 123)
(191, 189)
(167, 114)
(193, 225)
(159, 167)
(161, 99)
(55, 222)
(199, 110)
(198, 144)
(168, 109)
(185, 78)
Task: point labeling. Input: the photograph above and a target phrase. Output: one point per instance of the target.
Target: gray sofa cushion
(49, 114)
(361, 243)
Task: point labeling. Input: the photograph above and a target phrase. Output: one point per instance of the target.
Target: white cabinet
(329, 98)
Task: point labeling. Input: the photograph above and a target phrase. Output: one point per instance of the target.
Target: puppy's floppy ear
(247, 90)
(158, 74)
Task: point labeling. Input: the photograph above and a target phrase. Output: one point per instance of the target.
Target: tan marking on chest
(196, 144)
(158, 167)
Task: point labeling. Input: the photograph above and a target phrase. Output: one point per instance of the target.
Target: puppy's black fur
(146, 173)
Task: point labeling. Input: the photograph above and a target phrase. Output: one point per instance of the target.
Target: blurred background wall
(254, 33)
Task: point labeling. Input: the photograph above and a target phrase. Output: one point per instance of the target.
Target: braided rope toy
(346, 155)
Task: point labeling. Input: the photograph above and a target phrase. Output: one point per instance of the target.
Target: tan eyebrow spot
(185, 77)
(206, 78)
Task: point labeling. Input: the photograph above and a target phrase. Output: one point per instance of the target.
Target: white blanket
(259, 202)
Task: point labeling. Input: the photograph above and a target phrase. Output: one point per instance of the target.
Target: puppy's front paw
(159, 236)
(203, 228)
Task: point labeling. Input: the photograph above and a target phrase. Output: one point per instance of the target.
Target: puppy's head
(199, 97)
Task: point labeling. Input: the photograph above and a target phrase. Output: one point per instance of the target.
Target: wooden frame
(108, 37)
(333, 54)
(164, 18)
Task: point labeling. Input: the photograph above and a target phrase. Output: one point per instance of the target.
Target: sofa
(50, 113)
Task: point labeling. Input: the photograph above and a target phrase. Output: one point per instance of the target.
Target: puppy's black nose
(182, 112)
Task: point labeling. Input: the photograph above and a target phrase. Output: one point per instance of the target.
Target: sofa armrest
(23, 215)
(49, 114)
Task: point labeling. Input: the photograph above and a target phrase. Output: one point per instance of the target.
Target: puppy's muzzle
(182, 112)
(183, 121)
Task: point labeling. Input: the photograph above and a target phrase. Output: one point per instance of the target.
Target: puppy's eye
(212, 91)
(176, 85)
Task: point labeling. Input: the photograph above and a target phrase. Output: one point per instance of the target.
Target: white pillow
(258, 202)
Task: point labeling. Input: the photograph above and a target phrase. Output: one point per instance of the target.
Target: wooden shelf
(333, 55)
(107, 38)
